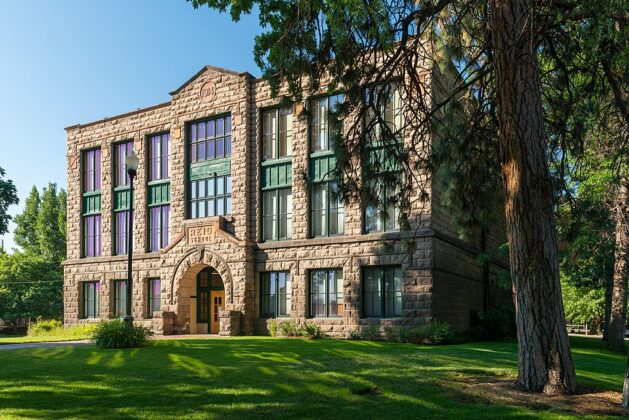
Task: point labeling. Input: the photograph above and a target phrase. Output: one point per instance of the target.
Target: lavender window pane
(165, 153)
(228, 125)
(220, 148)
(202, 130)
(89, 233)
(154, 228)
(220, 127)
(228, 146)
(210, 149)
(97, 236)
(211, 129)
(201, 151)
(193, 153)
(97, 169)
(165, 225)
(193, 132)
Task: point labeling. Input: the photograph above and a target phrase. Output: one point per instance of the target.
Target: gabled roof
(200, 72)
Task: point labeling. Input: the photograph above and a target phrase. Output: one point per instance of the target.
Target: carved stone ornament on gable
(207, 93)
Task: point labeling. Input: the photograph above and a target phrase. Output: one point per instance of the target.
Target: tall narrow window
(327, 215)
(325, 124)
(154, 297)
(385, 119)
(122, 197)
(326, 293)
(159, 192)
(91, 299)
(91, 205)
(120, 298)
(277, 133)
(275, 294)
(382, 292)
(209, 172)
(277, 204)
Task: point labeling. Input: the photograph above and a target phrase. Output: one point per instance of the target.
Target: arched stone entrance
(200, 300)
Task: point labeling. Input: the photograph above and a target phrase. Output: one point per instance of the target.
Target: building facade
(236, 221)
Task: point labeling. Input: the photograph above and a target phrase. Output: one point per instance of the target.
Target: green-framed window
(382, 213)
(277, 214)
(275, 294)
(91, 299)
(210, 139)
(211, 197)
(91, 203)
(277, 133)
(324, 123)
(325, 293)
(120, 298)
(385, 110)
(158, 189)
(154, 296)
(382, 292)
(122, 194)
(327, 214)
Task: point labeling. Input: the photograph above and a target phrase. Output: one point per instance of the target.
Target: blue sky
(64, 62)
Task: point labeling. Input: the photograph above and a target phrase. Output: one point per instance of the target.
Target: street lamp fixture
(132, 161)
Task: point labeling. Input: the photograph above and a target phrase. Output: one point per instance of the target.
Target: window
(277, 133)
(277, 214)
(92, 236)
(211, 139)
(325, 125)
(326, 293)
(386, 107)
(382, 292)
(91, 170)
(91, 204)
(158, 154)
(275, 294)
(383, 214)
(121, 151)
(154, 296)
(211, 197)
(159, 222)
(91, 299)
(121, 225)
(120, 298)
(326, 209)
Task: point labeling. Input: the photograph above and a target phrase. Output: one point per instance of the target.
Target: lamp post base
(127, 320)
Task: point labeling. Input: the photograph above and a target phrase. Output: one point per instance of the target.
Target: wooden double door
(210, 299)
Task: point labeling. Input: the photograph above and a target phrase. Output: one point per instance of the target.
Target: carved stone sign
(200, 234)
(207, 92)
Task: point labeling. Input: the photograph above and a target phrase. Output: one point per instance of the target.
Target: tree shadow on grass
(248, 377)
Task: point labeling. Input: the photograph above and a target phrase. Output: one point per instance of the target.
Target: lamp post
(132, 162)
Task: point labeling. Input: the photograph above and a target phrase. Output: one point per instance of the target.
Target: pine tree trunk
(609, 286)
(618, 320)
(625, 389)
(544, 359)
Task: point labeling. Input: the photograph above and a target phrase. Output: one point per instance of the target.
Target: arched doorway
(210, 299)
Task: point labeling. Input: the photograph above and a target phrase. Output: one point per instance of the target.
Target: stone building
(237, 222)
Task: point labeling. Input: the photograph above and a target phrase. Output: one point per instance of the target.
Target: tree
(25, 234)
(8, 196)
(51, 242)
(618, 319)
(30, 287)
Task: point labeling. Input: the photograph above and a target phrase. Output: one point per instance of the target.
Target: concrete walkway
(84, 342)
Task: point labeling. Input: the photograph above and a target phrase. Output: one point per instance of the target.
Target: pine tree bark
(618, 319)
(625, 390)
(544, 359)
(609, 286)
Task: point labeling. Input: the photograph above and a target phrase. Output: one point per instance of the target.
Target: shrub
(439, 332)
(54, 328)
(289, 329)
(498, 323)
(390, 334)
(272, 326)
(311, 329)
(370, 333)
(354, 335)
(402, 334)
(117, 334)
(43, 327)
(416, 335)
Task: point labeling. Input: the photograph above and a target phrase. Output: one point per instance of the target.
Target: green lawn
(19, 339)
(265, 377)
